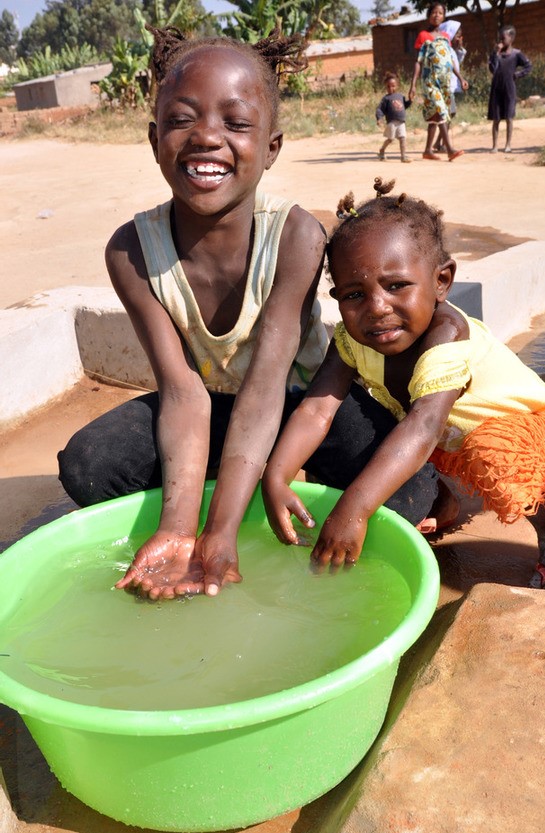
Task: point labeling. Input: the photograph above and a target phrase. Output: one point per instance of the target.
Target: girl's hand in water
(218, 558)
(341, 538)
(280, 504)
(165, 567)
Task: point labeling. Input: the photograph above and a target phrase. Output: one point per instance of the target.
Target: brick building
(393, 39)
(330, 60)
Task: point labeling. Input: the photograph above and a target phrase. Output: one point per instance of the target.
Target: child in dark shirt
(392, 110)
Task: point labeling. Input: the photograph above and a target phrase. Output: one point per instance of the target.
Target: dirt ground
(61, 202)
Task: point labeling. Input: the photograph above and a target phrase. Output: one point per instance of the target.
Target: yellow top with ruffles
(494, 381)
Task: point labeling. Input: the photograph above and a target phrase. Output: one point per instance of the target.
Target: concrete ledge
(512, 287)
(48, 342)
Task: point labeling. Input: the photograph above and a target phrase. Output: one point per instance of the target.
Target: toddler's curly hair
(423, 221)
(273, 57)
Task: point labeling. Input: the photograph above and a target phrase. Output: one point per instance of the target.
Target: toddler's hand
(280, 504)
(164, 567)
(341, 538)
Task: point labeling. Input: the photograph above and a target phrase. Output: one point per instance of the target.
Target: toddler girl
(460, 397)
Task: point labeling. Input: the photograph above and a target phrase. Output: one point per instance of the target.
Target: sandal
(432, 156)
(455, 155)
(449, 508)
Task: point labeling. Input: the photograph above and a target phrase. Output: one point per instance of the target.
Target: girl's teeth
(207, 172)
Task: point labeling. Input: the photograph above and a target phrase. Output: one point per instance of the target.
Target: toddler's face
(391, 85)
(387, 291)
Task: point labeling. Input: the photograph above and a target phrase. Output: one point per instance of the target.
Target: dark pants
(116, 454)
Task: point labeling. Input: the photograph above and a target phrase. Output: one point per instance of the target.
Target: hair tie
(347, 215)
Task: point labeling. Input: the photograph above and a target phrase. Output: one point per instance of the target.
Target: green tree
(345, 18)
(316, 18)
(383, 8)
(186, 15)
(102, 23)
(8, 38)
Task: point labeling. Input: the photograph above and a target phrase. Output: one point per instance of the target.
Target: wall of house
(65, 89)
(393, 45)
(334, 66)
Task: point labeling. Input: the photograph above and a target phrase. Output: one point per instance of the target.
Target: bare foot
(443, 513)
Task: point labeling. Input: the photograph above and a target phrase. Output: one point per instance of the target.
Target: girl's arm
(524, 66)
(494, 60)
(463, 82)
(416, 76)
(256, 417)
(305, 430)
(165, 566)
(404, 451)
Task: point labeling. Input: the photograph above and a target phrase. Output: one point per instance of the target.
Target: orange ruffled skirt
(503, 460)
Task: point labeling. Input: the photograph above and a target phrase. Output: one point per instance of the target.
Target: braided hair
(273, 57)
(423, 222)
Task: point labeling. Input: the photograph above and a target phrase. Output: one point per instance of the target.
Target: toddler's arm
(305, 430)
(401, 454)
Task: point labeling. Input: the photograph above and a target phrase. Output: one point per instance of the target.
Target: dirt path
(61, 202)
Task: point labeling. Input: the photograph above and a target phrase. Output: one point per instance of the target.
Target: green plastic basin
(223, 766)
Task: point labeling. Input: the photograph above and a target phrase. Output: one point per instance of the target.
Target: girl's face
(387, 292)
(213, 137)
(436, 16)
(506, 39)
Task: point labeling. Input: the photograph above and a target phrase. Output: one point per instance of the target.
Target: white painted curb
(49, 341)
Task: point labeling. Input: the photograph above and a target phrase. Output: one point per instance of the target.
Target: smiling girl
(459, 395)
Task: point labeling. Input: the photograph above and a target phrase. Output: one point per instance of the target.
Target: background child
(220, 285)
(507, 65)
(434, 66)
(459, 395)
(392, 110)
(454, 30)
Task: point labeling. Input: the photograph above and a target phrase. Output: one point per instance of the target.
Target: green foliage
(126, 85)
(75, 22)
(48, 62)
(321, 19)
(382, 8)
(187, 15)
(8, 38)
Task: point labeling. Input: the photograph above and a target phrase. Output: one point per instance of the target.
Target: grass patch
(348, 108)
